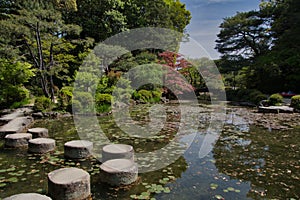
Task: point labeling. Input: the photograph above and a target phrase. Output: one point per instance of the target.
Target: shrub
(13, 96)
(295, 102)
(86, 99)
(65, 98)
(145, 96)
(76, 105)
(156, 95)
(103, 102)
(42, 103)
(275, 99)
(256, 96)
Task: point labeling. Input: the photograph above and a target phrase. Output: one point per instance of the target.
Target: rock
(117, 151)
(17, 140)
(41, 145)
(118, 172)
(38, 132)
(275, 109)
(38, 115)
(78, 149)
(16, 125)
(28, 196)
(69, 184)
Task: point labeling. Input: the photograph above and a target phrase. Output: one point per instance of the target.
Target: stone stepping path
(21, 112)
(117, 151)
(78, 149)
(17, 140)
(39, 132)
(41, 145)
(69, 184)
(119, 172)
(16, 125)
(28, 196)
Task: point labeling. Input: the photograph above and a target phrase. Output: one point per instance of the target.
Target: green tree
(13, 76)
(246, 34)
(37, 32)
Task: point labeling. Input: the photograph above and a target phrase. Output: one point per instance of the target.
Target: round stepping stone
(119, 172)
(117, 151)
(78, 149)
(69, 184)
(28, 196)
(17, 140)
(38, 132)
(41, 145)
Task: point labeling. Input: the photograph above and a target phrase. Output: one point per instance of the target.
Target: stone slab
(17, 140)
(275, 109)
(28, 196)
(69, 184)
(38, 132)
(16, 125)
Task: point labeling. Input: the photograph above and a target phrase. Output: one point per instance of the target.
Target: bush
(86, 99)
(76, 105)
(14, 96)
(248, 95)
(256, 96)
(295, 102)
(65, 98)
(42, 104)
(156, 95)
(275, 99)
(103, 102)
(145, 95)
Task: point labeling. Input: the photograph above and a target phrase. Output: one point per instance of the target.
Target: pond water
(246, 162)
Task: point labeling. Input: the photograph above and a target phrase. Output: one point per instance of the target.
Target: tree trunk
(41, 62)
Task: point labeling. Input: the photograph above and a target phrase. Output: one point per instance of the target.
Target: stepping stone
(117, 151)
(38, 132)
(17, 140)
(118, 172)
(17, 125)
(78, 149)
(69, 184)
(41, 145)
(28, 196)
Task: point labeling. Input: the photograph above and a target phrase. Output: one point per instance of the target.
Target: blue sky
(207, 15)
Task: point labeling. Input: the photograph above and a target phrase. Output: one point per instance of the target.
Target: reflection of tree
(269, 160)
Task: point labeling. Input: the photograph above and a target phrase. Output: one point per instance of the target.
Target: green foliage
(42, 103)
(103, 102)
(65, 98)
(86, 100)
(275, 100)
(76, 106)
(123, 91)
(13, 76)
(13, 96)
(146, 96)
(295, 102)
(245, 95)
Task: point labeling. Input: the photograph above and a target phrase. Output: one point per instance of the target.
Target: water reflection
(268, 160)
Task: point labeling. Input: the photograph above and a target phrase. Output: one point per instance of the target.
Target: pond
(247, 162)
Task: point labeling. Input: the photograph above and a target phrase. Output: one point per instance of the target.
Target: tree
(175, 64)
(13, 76)
(285, 53)
(37, 32)
(245, 34)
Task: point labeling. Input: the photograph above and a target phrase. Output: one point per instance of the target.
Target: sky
(207, 15)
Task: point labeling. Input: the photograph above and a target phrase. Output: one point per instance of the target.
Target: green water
(246, 163)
